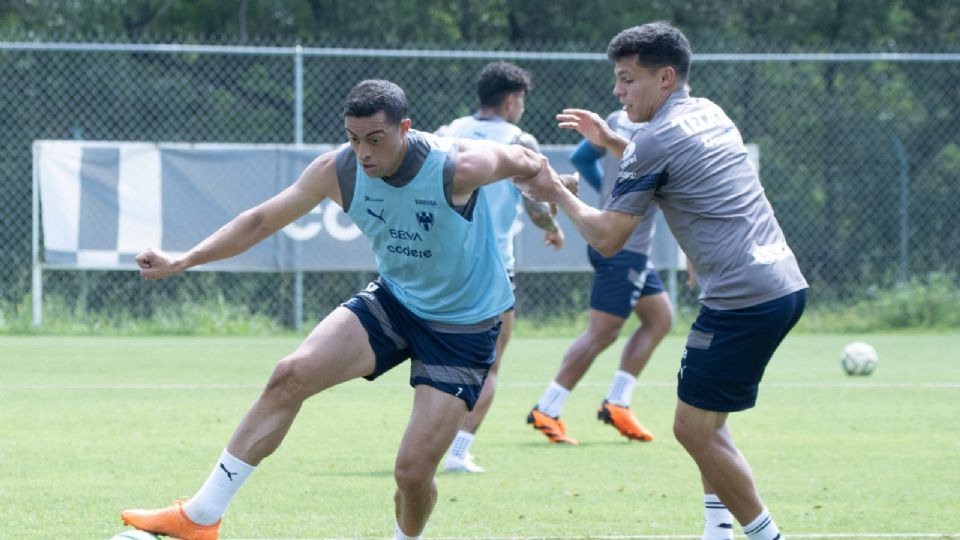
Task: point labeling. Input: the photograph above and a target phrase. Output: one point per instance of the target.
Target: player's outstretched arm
(606, 231)
(317, 182)
(593, 128)
(481, 162)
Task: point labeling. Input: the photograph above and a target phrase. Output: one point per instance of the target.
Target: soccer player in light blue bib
(438, 301)
(690, 159)
(502, 88)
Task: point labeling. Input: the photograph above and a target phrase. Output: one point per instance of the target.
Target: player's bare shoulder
(476, 160)
(319, 179)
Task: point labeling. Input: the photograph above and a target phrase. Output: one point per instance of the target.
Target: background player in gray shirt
(690, 159)
(624, 283)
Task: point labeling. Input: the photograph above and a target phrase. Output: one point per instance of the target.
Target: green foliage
(928, 304)
(214, 317)
(932, 303)
(713, 25)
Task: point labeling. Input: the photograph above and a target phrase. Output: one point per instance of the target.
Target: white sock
(762, 528)
(552, 400)
(621, 391)
(718, 521)
(399, 535)
(460, 447)
(209, 504)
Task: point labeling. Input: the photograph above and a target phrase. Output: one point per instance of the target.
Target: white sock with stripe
(552, 400)
(209, 504)
(461, 444)
(718, 521)
(621, 390)
(762, 528)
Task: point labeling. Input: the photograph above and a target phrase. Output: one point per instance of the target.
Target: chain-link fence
(859, 154)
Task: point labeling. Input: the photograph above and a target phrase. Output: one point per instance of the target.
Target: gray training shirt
(642, 236)
(691, 160)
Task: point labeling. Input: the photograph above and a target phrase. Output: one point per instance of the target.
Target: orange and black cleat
(171, 521)
(623, 419)
(553, 428)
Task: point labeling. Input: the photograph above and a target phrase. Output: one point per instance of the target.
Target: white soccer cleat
(454, 464)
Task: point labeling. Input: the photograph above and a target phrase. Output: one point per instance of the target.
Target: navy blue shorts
(728, 350)
(620, 281)
(450, 357)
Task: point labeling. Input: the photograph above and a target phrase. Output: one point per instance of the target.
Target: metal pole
(904, 162)
(37, 287)
(298, 140)
(672, 284)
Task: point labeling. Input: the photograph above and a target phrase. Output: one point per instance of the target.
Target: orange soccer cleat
(623, 419)
(553, 428)
(171, 521)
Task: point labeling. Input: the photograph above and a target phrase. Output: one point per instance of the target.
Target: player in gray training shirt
(691, 161)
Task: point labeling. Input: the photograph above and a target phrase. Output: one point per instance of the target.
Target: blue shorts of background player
(728, 350)
(620, 281)
(451, 358)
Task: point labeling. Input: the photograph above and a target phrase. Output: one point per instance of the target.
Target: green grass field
(91, 426)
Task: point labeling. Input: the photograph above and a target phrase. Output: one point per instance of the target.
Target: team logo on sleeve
(425, 219)
(628, 155)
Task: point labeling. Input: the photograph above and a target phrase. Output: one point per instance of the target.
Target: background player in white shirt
(502, 88)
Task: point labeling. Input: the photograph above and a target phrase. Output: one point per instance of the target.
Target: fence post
(298, 140)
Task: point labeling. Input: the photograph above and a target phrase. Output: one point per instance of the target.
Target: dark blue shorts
(620, 281)
(728, 350)
(450, 357)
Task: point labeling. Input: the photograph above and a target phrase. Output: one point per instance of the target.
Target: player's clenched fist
(546, 184)
(155, 264)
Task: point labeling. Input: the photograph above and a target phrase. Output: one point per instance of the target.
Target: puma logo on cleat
(230, 475)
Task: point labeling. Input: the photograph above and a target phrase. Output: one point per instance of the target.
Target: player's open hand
(587, 123)
(155, 264)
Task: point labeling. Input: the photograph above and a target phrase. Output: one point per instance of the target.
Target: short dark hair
(369, 97)
(497, 80)
(656, 44)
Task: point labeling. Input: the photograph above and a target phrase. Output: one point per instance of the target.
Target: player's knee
(661, 323)
(413, 477)
(602, 336)
(690, 437)
(286, 384)
(659, 319)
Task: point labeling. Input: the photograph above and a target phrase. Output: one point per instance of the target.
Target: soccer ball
(858, 358)
(134, 535)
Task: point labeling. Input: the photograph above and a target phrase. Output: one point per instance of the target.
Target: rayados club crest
(425, 219)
